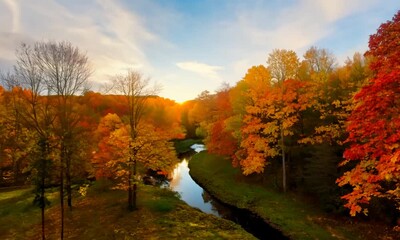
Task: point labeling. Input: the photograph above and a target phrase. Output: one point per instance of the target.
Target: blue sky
(189, 46)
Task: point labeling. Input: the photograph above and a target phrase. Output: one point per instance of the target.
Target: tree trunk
(69, 190)
(62, 189)
(42, 207)
(130, 204)
(134, 185)
(134, 196)
(68, 180)
(43, 166)
(283, 163)
(15, 169)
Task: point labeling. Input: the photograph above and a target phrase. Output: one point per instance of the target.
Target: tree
(384, 46)
(374, 137)
(283, 64)
(203, 113)
(319, 63)
(374, 126)
(151, 150)
(37, 112)
(332, 102)
(66, 71)
(107, 125)
(16, 139)
(60, 71)
(268, 121)
(135, 88)
(220, 139)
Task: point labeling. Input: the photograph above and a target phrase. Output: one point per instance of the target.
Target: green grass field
(102, 214)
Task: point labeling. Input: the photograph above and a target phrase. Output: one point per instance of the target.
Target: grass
(183, 146)
(297, 219)
(102, 214)
(12, 194)
(17, 212)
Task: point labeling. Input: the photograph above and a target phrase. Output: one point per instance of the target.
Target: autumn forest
(302, 127)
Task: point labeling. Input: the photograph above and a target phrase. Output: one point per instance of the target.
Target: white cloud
(202, 69)
(113, 37)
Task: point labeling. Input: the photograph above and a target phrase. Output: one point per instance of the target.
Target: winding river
(196, 196)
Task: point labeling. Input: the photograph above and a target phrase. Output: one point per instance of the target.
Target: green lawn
(18, 214)
(295, 218)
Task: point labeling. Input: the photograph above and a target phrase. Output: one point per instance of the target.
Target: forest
(301, 125)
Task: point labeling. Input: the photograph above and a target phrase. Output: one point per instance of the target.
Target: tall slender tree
(283, 65)
(37, 113)
(66, 71)
(136, 90)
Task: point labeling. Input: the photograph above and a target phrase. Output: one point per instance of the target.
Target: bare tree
(283, 64)
(319, 63)
(136, 89)
(65, 70)
(37, 113)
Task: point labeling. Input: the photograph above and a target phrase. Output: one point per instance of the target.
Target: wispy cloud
(13, 7)
(202, 69)
(113, 37)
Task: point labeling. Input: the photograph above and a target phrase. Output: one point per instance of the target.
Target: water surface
(190, 192)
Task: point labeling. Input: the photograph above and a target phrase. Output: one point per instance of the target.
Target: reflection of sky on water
(198, 147)
(190, 192)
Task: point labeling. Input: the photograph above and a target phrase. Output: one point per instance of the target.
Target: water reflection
(190, 192)
(198, 147)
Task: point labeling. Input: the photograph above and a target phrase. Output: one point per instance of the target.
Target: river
(197, 197)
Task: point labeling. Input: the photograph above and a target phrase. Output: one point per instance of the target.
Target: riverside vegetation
(297, 218)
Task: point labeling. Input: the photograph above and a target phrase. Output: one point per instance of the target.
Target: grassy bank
(297, 219)
(102, 214)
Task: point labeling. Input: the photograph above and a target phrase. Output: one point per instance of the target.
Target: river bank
(103, 214)
(293, 217)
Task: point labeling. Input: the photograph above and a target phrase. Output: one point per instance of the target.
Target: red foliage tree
(374, 126)
(384, 46)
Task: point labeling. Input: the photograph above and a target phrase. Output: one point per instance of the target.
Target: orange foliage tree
(151, 148)
(107, 125)
(268, 121)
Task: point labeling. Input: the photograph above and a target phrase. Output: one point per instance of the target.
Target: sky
(188, 46)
